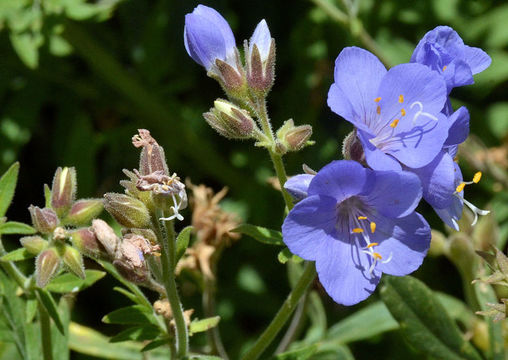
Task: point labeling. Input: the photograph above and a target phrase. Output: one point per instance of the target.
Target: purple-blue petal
(339, 103)
(477, 59)
(341, 180)
(298, 185)
(376, 159)
(395, 193)
(406, 240)
(262, 39)
(459, 128)
(452, 214)
(444, 37)
(343, 270)
(220, 23)
(310, 226)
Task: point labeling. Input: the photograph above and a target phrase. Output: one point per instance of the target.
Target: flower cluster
(356, 219)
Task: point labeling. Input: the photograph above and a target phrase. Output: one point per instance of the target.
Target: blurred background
(78, 78)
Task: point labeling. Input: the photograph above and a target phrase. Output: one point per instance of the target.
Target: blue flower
(397, 113)
(262, 39)
(444, 51)
(356, 224)
(208, 37)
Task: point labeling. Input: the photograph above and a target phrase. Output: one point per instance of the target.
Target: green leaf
(497, 118)
(423, 320)
(60, 342)
(13, 312)
(47, 196)
(154, 344)
(261, 234)
(30, 309)
(370, 321)
(182, 241)
(317, 316)
(285, 255)
(302, 353)
(334, 352)
(26, 46)
(17, 255)
(204, 357)
(139, 333)
(128, 294)
(7, 186)
(14, 227)
(197, 326)
(135, 314)
(70, 283)
(48, 302)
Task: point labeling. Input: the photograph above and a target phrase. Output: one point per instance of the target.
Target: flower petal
(262, 39)
(404, 240)
(459, 127)
(219, 22)
(452, 214)
(444, 37)
(341, 179)
(377, 159)
(477, 59)
(298, 185)
(395, 193)
(343, 270)
(310, 225)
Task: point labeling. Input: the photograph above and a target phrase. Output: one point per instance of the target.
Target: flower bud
(106, 236)
(127, 211)
(44, 220)
(352, 148)
(46, 266)
(73, 261)
(130, 260)
(294, 138)
(152, 157)
(63, 191)
(83, 211)
(87, 243)
(146, 233)
(261, 59)
(229, 120)
(33, 244)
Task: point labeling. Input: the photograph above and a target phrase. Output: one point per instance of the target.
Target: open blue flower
(397, 113)
(444, 51)
(208, 37)
(356, 224)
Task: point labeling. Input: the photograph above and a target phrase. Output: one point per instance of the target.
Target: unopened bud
(294, 137)
(162, 307)
(260, 54)
(73, 261)
(148, 234)
(33, 244)
(127, 211)
(106, 236)
(87, 243)
(44, 220)
(232, 78)
(63, 191)
(152, 155)
(229, 120)
(352, 148)
(46, 266)
(83, 211)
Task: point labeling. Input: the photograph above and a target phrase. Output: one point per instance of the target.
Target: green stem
(168, 261)
(12, 270)
(47, 351)
(308, 275)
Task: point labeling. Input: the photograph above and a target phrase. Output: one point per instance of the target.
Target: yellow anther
(460, 187)
(372, 227)
(377, 256)
(372, 245)
(401, 98)
(444, 68)
(362, 217)
(357, 230)
(394, 123)
(165, 187)
(477, 177)
(378, 99)
(403, 112)
(378, 110)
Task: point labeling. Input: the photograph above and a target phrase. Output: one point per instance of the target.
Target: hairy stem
(168, 261)
(290, 304)
(47, 351)
(12, 270)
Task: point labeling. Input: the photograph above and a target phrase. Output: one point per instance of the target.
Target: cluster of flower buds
(55, 224)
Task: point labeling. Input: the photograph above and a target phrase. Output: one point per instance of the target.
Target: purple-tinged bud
(106, 236)
(230, 121)
(44, 220)
(294, 137)
(46, 266)
(73, 261)
(83, 211)
(130, 260)
(261, 59)
(87, 243)
(33, 244)
(352, 148)
(63, 191)
(127, 211)
(152, 155)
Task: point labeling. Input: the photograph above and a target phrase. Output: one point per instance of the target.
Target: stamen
(460, 187)
(394, 123)
(357, 230)
(477, 177)
(403, 112)
(377, 256)
(476, 211)
(444, 68)
(378, 110)
(372, 227)
(421, 112)
(378, 99)
(371, 245)
(362, 217)
(387, 260)
(401, 99)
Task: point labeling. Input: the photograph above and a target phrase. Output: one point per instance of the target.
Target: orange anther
(357, 230)
(401, 98)
(460, 187)
(477, 177)
(371, 245)
(378, 99)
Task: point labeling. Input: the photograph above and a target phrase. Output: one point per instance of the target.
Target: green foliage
(7, 187)
(17, 255)
(70, 283)
(197, 326)
(14, 227)
(46, 299)
(182, 241)
(261, 234)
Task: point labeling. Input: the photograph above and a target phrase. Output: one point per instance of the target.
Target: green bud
(44, 220)
(127, 211)
(294, 138)
(63, 191)
(33, 244)
(87, 243)
(46, 266)
(438, 244)
(229, 120)
(146, 233)
(73, 261)
(83, 211)
(106, 236)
